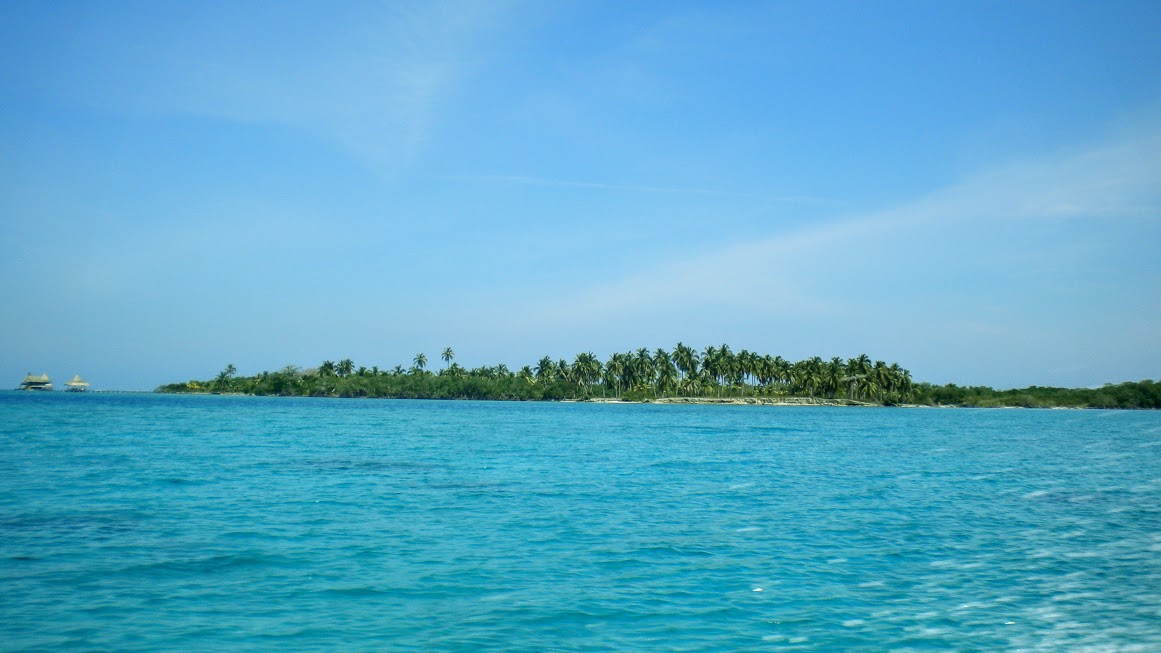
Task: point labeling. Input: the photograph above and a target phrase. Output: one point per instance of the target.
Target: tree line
(642, 375)
(715, 371)
(1132, 394)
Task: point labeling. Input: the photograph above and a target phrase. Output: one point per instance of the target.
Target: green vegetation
(641, 375)
(1140, 394)
(715, 372)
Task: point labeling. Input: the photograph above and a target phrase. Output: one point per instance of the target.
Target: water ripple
(143, 523)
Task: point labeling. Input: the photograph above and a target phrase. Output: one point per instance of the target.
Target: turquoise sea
(178, 523)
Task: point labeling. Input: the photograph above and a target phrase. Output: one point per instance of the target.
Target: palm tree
(881, 377)
(727, 365)
(666, 379)
(744, 369)
(808, 375)
(685, 359)
(781, 370)
(326, 369)
(615, 371)
(834, 377)
(564, 371)
(641, 368)
(447, 356)
(665, 369)
(420, 361)
(222, 382)
(763, 371)
(586, 369)
(690, 386)
(860, 370)
(545, 370)
(346, 366)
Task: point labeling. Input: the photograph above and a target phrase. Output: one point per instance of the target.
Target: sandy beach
(741, 401)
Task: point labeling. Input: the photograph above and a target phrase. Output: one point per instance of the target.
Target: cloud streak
(829, 270)
(525, 180)
(370, 81)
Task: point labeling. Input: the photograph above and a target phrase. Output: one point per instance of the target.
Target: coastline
(738, 401)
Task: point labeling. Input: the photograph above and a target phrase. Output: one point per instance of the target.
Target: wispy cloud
(525, 180)
(831, 269)
(522, 180)
(370, 80)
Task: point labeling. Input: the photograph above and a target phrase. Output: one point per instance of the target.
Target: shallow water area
(148, 522)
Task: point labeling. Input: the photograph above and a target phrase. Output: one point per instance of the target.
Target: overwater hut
(77, 384)
(33, 382)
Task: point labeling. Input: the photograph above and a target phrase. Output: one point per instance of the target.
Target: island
(715, 375)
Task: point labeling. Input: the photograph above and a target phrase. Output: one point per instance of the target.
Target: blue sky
(970, 189)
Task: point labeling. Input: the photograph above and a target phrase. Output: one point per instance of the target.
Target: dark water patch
(360, 466)
(95, 524)
(174, 481)
(468, 485)
(208, 564)
(355, 592)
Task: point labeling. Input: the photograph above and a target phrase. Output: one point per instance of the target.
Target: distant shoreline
(715, 376)
(673, 401)
(739, 401)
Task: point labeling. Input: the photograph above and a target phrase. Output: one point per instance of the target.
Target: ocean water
(168, 523)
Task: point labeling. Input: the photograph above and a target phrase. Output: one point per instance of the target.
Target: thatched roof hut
(33, 382)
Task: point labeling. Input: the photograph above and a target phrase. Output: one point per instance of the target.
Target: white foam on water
(851, 623)
(1036, 494)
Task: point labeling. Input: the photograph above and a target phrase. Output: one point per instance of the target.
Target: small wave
(354, 591)
(206, 564)
(180, 481)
